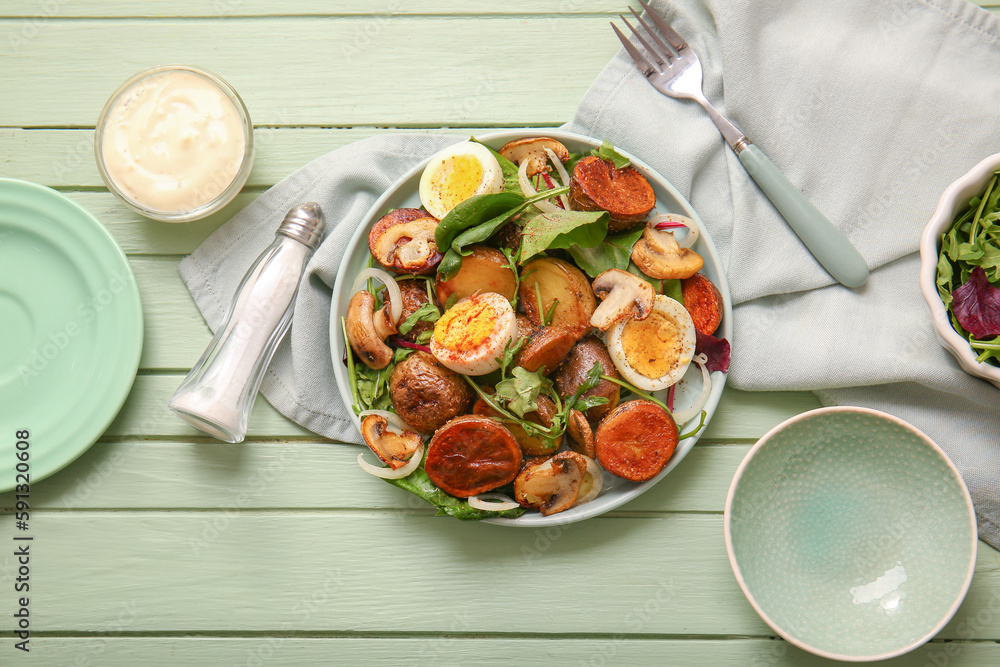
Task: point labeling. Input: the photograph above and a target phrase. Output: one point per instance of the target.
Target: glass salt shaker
(218, 394)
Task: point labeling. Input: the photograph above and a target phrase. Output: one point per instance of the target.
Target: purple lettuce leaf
(716, 349)
(976, 305)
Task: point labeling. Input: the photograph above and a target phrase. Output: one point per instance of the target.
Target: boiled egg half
(655, 352)
(472, 334)
(456, 173)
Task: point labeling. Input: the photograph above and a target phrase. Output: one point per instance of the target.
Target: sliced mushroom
(622, 295)
(407, 246)
(533, 150)
(581, 435)
(552, 485)
(368, 329)
(393, 449)
(658, 255)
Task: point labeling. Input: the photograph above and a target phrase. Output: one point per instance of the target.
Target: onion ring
(563, 175)
(665, 222)
(683, 416)
(389, 473)
(492, 502)
(595, 473)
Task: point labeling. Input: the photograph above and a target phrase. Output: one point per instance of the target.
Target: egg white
(435, 178)
(679, 314)
(483, 358)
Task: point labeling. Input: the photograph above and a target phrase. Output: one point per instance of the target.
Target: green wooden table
(160, 546)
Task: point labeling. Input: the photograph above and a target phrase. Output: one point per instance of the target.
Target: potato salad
(519, 336)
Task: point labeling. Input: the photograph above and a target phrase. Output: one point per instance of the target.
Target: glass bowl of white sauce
(174, 143)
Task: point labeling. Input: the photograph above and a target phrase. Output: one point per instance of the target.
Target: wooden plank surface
(319, 71)
(160, 546)
(248, 571)
(112, 648)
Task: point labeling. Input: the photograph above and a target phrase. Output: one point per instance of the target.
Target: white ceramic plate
(616, 491)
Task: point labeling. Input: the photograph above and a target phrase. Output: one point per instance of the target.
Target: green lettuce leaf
(613, 253)
(562, 229)
(420, 485)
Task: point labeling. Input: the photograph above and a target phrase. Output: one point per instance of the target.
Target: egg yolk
(652, 346)
(457, 179)
(466, 326)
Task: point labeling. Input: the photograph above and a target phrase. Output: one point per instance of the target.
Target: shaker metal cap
(304, 223)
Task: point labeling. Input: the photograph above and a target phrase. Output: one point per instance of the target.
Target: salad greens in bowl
(960, 269)
(520, 336)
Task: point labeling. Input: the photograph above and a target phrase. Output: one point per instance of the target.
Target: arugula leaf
(427, 312)
(614, 252)
(520, 392)
(562, 229)
(510, 350)
(420, 485)
(373, 387)
(608, 152)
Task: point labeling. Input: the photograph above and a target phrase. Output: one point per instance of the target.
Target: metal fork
(674, 69)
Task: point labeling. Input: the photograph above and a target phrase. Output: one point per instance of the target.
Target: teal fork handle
(827, 244)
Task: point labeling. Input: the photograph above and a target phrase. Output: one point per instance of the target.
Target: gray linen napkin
(870, 107)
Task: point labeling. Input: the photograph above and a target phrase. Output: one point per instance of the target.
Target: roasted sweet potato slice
(636, 440)
(472, 454)
(703, 301)
(624, 193)
(531, 445)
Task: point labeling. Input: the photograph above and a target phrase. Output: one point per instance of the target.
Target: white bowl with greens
(960, 269)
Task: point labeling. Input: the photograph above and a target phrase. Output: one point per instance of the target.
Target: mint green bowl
(851, 533)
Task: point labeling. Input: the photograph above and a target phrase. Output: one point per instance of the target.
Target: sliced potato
(547, 348)
(588, 351)
(547, 280)
(485, 270)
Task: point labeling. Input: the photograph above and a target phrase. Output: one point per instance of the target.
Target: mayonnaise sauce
(173, 141)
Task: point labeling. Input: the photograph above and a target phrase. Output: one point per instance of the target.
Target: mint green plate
(851, 533)
(70, 330)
